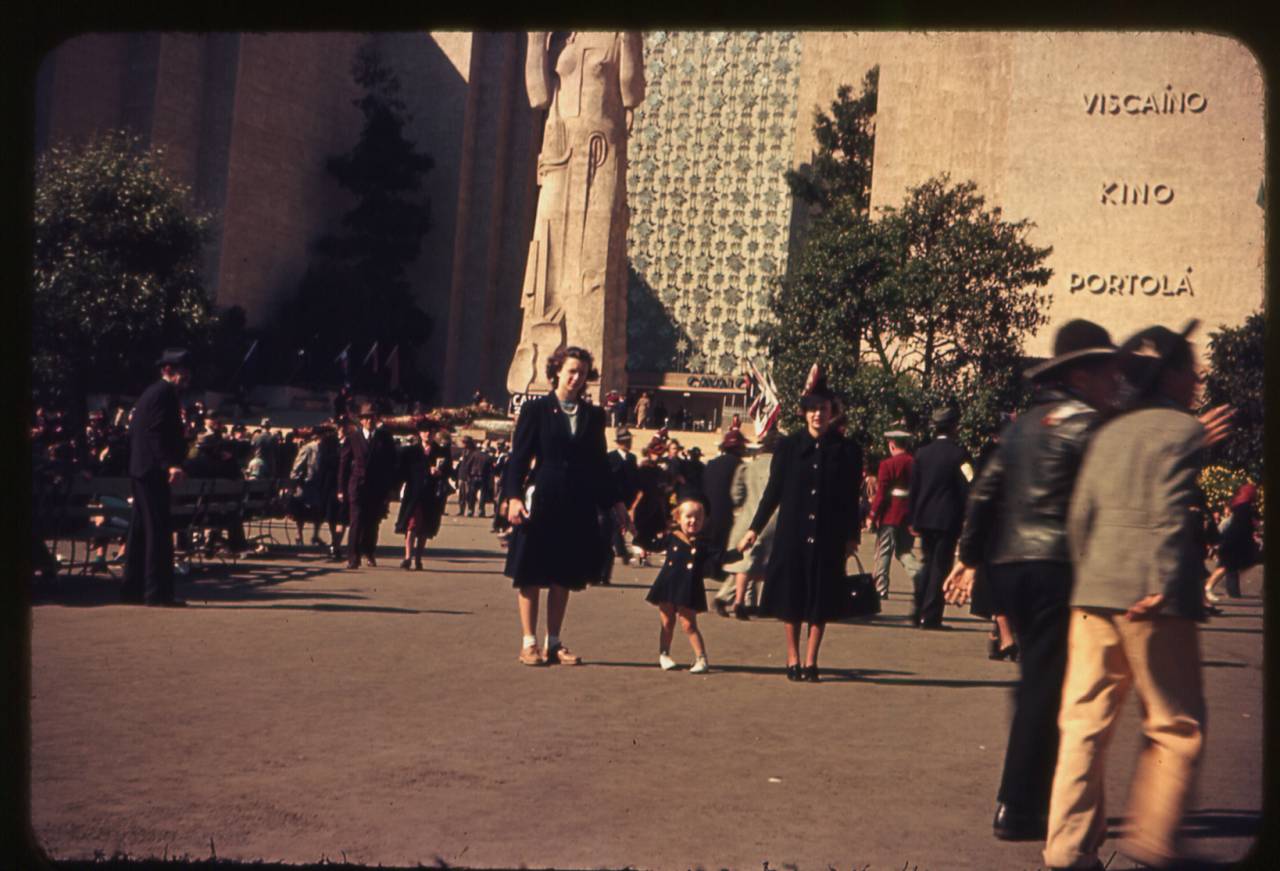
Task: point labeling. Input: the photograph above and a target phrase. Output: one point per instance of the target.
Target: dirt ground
(298, 711)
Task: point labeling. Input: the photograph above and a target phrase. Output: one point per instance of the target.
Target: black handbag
(858, 598)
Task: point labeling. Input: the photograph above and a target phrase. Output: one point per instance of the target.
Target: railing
(84, 512)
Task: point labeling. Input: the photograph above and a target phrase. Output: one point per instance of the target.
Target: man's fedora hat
(944, 417)
(622, 435)
(1148, 353)
(1076, 340)
(897, 431)
(178, 358)
(367, 410)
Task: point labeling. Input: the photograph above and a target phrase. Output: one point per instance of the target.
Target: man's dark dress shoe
(1010, 825)
(373, 563)
(353, 563)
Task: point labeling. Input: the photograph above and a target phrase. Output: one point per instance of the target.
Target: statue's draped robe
(575, 280)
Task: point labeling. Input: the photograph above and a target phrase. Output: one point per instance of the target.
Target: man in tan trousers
(1136, 537)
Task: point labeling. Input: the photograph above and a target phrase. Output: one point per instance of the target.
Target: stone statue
(575, 280)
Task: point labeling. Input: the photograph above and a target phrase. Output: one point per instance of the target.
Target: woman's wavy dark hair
(556, 362)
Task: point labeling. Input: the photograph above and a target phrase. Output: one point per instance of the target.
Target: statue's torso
(587, 90)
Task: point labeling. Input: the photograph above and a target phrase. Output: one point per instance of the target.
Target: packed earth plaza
(297, 710)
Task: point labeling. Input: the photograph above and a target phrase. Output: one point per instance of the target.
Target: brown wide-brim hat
(1076, 340)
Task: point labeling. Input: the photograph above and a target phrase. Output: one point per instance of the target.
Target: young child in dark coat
(680, 589)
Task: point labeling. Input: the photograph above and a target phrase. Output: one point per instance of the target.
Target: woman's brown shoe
(531, 655)
(561, 655)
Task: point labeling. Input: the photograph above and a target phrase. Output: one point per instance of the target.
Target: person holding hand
(555, 545)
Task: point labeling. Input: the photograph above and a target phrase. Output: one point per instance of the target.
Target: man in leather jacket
(1015, 521)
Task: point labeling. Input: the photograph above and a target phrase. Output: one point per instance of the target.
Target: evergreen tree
(1237, 359)
(117, 269)
(356, 289)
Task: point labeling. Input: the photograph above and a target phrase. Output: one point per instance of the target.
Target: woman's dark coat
(814, 486)
(559, 542)
(423, 488)
(653, 512)
(331, 510)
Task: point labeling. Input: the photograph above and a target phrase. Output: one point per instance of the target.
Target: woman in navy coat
(814, 486)
(561, 437)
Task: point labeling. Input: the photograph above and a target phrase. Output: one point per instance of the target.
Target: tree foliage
(923, 304)
(356, 290)
(117, 268)
(1237, 359)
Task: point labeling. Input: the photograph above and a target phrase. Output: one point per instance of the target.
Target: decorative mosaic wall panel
(710, 209)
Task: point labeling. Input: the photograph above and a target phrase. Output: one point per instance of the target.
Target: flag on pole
(372, 356)
(299, 364)
(344, 360)
(765, 409)
(393, 367)
(240, 370)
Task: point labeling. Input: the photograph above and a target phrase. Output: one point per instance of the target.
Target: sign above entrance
(693, 382)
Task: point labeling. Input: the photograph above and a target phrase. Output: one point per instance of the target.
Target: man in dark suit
(157, 448)
(937, 493)
(623, 468)
(365, 467)
(717, 485)
(464, 480)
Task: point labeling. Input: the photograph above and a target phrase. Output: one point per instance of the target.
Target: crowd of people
(1080, 532)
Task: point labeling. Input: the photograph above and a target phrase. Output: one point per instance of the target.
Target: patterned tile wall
(710, 209)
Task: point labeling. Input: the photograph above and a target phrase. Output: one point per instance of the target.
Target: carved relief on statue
(588, 82)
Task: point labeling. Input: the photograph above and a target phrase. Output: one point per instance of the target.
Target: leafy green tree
(923, 304)
(819, 307)
(1237, 359)
(117, 269)
(959, 299)
(357, 290)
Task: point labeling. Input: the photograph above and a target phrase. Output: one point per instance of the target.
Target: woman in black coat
(425, 467)
(813, 485)
(332, 511)
(557, 532)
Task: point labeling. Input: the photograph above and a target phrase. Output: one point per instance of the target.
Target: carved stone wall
(709, 205)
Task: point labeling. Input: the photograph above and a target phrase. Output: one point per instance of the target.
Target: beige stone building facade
(1139, 157)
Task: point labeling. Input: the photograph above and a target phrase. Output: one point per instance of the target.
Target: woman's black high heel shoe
(993, 647)
(809, 673)
(1010, 653)
(793, 672)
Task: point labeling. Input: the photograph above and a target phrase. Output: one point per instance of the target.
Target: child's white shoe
(666, 662)
(699, 666)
